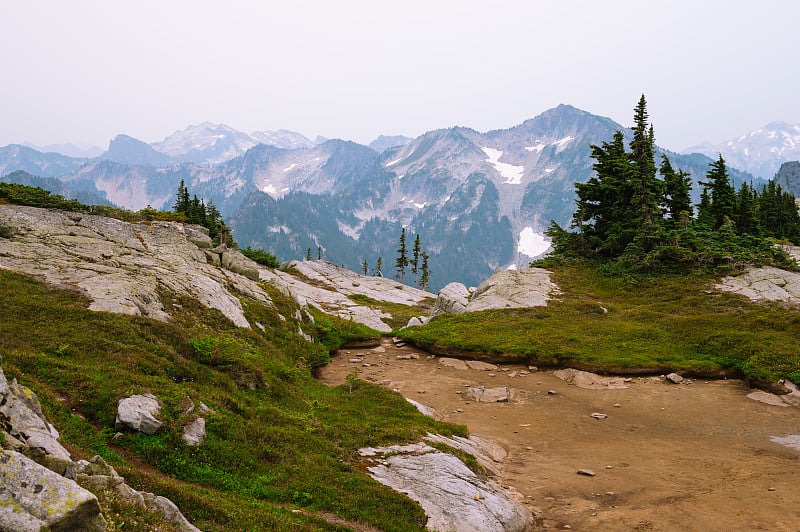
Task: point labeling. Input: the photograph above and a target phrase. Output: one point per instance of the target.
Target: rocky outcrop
(139, 413)
(127, 267)
(452, 299)
(790, 398)
(34, 498)
(452, 496)
(765, 284)
(529, 287)
(326, 287)
(47, 493)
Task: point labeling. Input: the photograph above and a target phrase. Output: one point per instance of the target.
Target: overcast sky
(84, 71)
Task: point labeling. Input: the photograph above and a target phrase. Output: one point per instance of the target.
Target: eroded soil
(692, 456)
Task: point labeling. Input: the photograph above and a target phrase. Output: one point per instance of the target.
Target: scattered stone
(590, 381)
(552, 392)
(586, 472)
(409, 356)
(355, 360)
(533, 369)
(598, 415)
(379, 349)
(770, 489)
(674, 378)
(617, 405)
(139, 413)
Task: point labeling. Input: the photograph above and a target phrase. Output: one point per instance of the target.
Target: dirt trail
(694, 456)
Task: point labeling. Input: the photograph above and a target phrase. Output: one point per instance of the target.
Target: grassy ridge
(279, 440)
(611, 323)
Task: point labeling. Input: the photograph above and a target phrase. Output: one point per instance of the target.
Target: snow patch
(512, 173)
(288, 168)
(539, 147)
(549, 170)
(532, 244)
(270, 189)
(419, 205)
(562, 143)
(278, 229)
(512, 267)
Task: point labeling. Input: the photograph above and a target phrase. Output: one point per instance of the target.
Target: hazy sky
(84, 71)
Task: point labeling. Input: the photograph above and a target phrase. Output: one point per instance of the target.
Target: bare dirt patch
(691, 456)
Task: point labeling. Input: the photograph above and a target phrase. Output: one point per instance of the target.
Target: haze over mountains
(479, 201)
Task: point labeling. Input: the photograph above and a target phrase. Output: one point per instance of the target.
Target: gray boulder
(195, 432)
(34, 498)
(139, 413)
(529, 287)
(452, 299)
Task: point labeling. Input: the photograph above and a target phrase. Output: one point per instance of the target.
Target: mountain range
(479, 201)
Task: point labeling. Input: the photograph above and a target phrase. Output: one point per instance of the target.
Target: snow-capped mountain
(760, 152)
(205, 143)
(283, 138)
(479, 201)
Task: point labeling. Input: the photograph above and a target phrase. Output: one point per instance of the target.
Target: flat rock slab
(453, 363)
(480, 366)
(529, 287)
(487, 395)
(792, 441)
(590, 381)
(452, 496)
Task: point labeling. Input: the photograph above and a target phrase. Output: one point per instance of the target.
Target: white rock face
(139, 413)
(122, 266)
(765, 284)
(530, 287)
(590, 381)
(453, 497)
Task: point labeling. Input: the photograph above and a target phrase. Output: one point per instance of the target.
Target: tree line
(641, 213)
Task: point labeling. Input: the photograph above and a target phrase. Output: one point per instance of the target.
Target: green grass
(279, 440)
(650, 324)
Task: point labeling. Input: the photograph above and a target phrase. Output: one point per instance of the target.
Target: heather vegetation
(280, 451)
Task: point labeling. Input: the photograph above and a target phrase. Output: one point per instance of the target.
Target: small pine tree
(308, 254)
(402, 258)
(378, 266)
(677, 189)
(415, 261)
(425, 271)
(319, 252)
(364, 266)
(723, 196)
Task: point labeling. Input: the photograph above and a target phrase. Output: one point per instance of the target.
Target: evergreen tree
(677, 190)
(364, 267)
(415, 261)
(182, 201)
(308, 254)
(646, 188)
(603, 215)
(402, 258)
(747, 211)
(425, 271)
(319, 252)
(722, 194)
(378, 266)
(704, 216)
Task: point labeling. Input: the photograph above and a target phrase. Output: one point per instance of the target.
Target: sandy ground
(692, 456)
